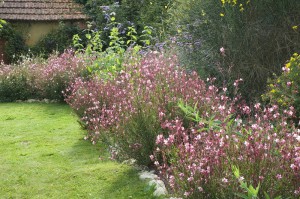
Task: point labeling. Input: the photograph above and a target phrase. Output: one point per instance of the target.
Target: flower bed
(194, 134)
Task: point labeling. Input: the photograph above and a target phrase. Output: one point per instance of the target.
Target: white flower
(225, 180)
(298, 138)
(241, 178)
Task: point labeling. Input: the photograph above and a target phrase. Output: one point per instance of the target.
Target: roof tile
(40, 10)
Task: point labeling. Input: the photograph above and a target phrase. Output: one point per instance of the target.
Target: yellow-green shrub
(284, 89)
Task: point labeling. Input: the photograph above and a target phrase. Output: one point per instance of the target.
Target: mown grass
(43, 155)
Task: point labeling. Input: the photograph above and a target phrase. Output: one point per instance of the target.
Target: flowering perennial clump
(190, 130)
(196, 159)
(58, 73)
(37, 78)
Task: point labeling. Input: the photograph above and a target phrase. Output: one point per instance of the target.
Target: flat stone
(147, 175)
(160, 191)
(129, 162)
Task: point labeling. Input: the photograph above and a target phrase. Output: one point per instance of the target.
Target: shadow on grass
(129, 182)
(116, 180)
(84, 150)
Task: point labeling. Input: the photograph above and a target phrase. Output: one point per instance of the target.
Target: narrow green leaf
(266, 195)
(241, 195)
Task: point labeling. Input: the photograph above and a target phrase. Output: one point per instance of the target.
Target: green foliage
(128, 13)
(285, 89)
(14, 43)
(58, 40)
(2, 22)
(148, 12)
(236, 39)
(109, 61)
(252, 193)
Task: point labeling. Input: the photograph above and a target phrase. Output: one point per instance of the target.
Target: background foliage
(127, 13)
(14, 43)
(56, 41)
(255, 38)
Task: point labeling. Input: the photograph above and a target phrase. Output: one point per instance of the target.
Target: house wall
(33, 31)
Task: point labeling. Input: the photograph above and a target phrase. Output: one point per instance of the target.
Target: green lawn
(43, 155)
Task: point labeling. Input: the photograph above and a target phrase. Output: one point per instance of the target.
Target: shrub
(14, 43)
(284, 90)
(122, 108)
(236, 39)
(146, 13)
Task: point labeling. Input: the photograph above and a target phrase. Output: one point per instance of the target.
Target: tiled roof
(40, 10)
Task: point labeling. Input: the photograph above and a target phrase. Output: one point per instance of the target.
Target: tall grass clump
(248, 39)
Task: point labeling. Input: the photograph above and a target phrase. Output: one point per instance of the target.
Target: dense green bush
(14, 43)
(248, 39)
(146, 13)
